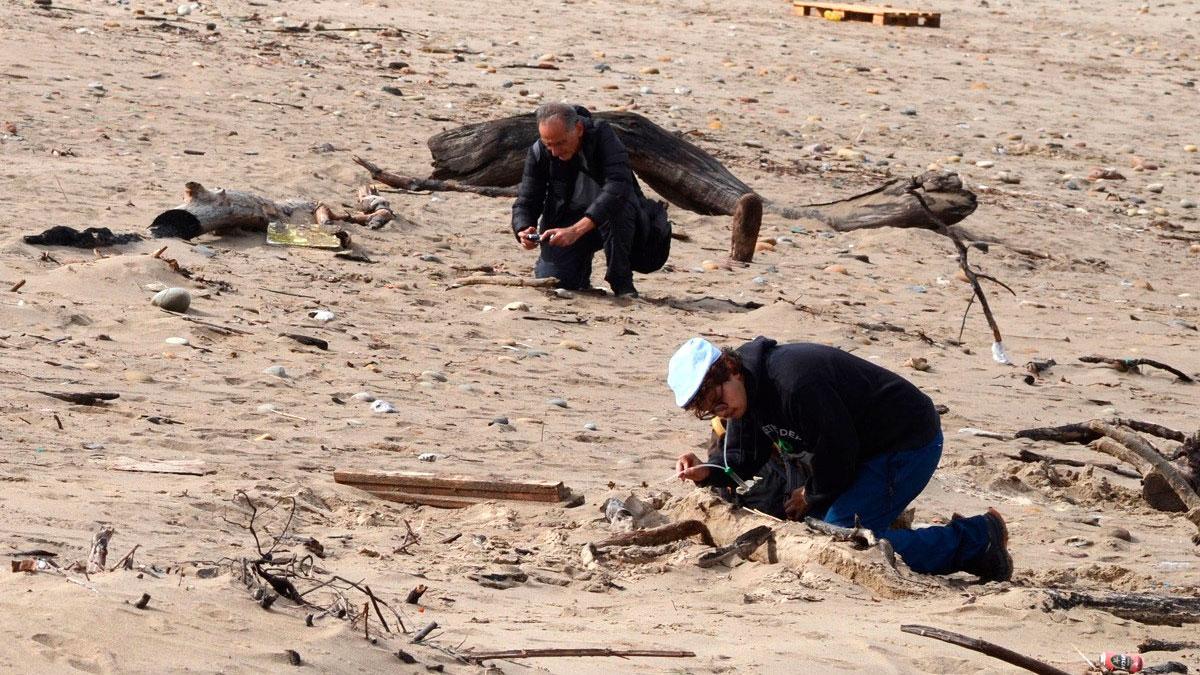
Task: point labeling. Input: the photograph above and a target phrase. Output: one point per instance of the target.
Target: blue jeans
(884, 487)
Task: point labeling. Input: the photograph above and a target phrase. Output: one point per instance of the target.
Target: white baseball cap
(688, 367)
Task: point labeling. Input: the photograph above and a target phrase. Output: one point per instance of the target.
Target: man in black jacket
(834, 437)
(578, 181)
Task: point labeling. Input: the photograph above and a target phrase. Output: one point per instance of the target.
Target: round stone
(591, 426)
(178, 341)
(173, 300)
(363, 397)
(517, 307)
(433, 375)
(560, 402)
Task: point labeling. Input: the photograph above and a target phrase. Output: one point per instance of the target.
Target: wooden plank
(457, 491)
(440, 501)
(416, 481)
(183, 467)
(873, 13)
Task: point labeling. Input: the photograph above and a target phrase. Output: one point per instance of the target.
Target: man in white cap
(836, 438)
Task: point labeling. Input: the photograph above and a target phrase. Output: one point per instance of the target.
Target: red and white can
(1121, 663)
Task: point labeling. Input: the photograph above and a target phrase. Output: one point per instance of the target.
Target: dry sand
(1043, 89)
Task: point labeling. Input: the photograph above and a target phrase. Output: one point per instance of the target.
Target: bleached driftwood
(204, 211)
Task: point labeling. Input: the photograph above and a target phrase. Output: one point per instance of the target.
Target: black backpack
(651, 237)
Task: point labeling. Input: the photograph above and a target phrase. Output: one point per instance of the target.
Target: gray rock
(910, 111)
(591, 426)
(1156, 188)
(433, 375)
(560, 402)
(498, 420)
(1187, 204)
(173, 300)
(563, 293)
(363, 397)
(1072, 185)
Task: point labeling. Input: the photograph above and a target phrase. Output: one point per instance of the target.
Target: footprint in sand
(80, 655)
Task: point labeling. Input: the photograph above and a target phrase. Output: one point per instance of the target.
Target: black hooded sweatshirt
(548, 182)
(830, 408)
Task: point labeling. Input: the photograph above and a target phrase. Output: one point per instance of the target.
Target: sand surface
(103, 100)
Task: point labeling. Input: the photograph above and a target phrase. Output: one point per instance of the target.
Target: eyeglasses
(710, 403)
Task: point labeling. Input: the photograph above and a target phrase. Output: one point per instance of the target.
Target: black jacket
(834, 409)
(548, 183)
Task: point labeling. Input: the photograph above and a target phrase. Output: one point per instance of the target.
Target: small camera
(533, 236)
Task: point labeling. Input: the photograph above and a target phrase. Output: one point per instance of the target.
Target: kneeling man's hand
(796, 505)
(688, 467)
(525, 242)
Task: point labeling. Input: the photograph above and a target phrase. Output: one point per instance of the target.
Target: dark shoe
(995, 563)
(625, 293)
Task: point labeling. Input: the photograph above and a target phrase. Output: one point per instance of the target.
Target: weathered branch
(993, 650)
(1131, 366)
(413, 183)
(1143, 449)
(547, 282)
(660, 535)
(511, 654)
(1155, 610)
(206, 210)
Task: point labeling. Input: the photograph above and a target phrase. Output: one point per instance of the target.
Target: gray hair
(560, 111)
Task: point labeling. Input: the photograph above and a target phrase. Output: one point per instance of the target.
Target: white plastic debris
(428, 457)
(322, 315)
(382, 406)
(999, 355)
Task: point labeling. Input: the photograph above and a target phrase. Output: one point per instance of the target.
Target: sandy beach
(111, 107)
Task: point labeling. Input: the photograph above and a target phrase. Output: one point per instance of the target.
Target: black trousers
(572, 265)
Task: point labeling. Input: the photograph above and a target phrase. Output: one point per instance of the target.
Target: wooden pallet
(880, 16)
(450, 492)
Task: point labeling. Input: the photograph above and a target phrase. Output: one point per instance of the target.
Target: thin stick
(411, 183)
(511, 654)
(476, 280)
(424, 632)
(992, 650)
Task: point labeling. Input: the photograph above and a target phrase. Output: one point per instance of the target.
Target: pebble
(428, 457)
(759, 281)
(277, 371)
(1143, 284)
(560, 402)
(1189, 148)
(181, 342)
(137, 376)
(683, 91)
(434, 375)
(381, 406)
(498, 421)
(183, 10)
(563, 293)
(571, 344)
(985, 164)
(764, 246)
(1119, 533)
(206, 251)
(836, 269)
(517, 307)
(910, 111)
(1156, 188)
(431, 258)
(591, 426)
(322, 315)
(470, 388)
(1194, 249)
(1010, 178)
(918, 363)
(173, 300)
(267, 408)
(849, 154)
(710, 265)
(1187, 204)
(363, 397)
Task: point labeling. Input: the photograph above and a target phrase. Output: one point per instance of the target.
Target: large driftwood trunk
(493, 153)
(206, 211)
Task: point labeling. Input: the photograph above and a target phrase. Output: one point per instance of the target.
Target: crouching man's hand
(688, 467)
(524, 241)
(796, 505)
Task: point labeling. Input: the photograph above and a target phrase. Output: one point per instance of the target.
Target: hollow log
(205, 210)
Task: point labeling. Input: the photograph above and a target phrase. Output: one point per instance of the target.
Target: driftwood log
(983, 647)
(487, 158)
(98, 555)
(1167, 485)
(1147, 608)
(205, 210)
